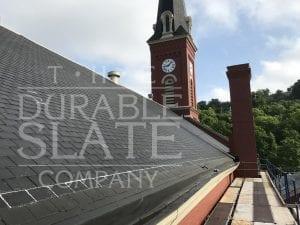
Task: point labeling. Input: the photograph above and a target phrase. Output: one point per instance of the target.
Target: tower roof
(181, 23)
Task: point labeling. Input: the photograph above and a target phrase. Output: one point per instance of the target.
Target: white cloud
(220, 93)
(278, 74)
(268, 15)
(228, 14)
(274, 12)
(283, 72)
(108, 33)
(114, 32)
(284, 42)
(99, 30)
(215, 12)
(211, 16)
(136, 80)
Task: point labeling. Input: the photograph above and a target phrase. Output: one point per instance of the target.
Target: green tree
(209, 117)
(202, 105)
(218, 122)
(289, 153)
(275, 109)
(280, 95)
(215, 104)
(295, 90)
(266, 144)
(277, 124)
(261, 97)
(269, 123)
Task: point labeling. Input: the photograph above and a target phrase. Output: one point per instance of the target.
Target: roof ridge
(53, 52)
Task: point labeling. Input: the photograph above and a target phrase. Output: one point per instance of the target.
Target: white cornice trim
(174, 38)
(178, 215)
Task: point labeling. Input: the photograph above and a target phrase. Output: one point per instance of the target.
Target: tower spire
(172, 20)
(173, 59)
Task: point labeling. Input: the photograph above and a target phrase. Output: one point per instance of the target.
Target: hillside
(277, 124)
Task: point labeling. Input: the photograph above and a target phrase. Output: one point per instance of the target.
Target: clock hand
(169, 64)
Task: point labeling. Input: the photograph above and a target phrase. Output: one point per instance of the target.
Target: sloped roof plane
(24, 70)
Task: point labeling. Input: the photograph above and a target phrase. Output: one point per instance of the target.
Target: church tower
(173, 59)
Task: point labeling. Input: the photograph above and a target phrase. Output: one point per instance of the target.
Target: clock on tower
(172, 59)
(168, 65)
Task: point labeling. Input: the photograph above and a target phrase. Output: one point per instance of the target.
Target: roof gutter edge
(178, 215)
(184, 189)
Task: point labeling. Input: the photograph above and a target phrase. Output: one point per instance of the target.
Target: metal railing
(295, 209)
(286, 186)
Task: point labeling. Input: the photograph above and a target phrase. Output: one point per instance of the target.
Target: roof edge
(175, 196)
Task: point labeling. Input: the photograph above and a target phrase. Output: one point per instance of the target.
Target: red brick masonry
(198, 215)
(243, 143)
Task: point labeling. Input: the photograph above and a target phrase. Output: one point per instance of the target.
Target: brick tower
(173, 59)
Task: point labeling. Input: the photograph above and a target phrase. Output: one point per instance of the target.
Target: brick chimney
(243, 142)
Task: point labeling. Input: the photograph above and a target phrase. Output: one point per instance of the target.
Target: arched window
(192, 98)
(167, 24)
(169, 90)
(167, 21)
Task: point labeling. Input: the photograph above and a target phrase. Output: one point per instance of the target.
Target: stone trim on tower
(167, 19)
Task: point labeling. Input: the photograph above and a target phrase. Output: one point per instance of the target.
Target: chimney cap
(114, 74)
(242, 71)
(239, 67)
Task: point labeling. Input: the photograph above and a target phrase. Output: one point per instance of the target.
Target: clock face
(168, 65)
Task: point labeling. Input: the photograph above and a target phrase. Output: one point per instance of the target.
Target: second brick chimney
(243, 142)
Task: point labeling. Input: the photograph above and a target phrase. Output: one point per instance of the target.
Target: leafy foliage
(295, 90)
(277, 124)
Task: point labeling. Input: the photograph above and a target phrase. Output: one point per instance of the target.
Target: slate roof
(23, 68)
(180, 26)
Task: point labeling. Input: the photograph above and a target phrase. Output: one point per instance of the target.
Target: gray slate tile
(17, 198)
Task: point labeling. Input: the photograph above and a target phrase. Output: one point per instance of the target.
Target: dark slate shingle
(41, 193)
(3, 204)
(25, 64)
(18, 198)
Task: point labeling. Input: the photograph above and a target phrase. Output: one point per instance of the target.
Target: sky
(111, 35)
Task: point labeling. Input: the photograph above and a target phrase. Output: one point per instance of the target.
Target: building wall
(197, 208)
(199, 214)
